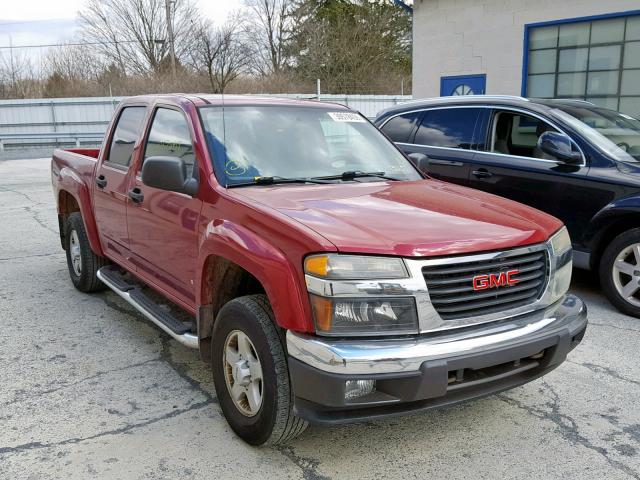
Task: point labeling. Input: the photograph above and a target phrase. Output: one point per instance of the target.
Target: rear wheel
(250, 373)
(620, 272)
(83, 264)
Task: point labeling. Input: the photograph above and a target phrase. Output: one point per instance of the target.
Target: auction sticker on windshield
(345, 117)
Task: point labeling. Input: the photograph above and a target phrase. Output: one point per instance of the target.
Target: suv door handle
(482, 173)
(136, 195)
(101, 181)
(451, 163)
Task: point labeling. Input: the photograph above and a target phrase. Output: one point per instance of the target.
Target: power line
(42, 20)
(114, 42)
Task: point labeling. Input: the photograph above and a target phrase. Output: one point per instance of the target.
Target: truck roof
(200, 99)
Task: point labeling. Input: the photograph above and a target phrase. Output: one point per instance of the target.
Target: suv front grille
(451, 286)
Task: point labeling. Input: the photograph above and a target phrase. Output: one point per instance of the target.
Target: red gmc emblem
(494, 280)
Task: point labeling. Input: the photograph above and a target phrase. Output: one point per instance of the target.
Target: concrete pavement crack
(82, 380)
(34, 215)
(568, 427)
(35, 255)
(606, 370)
(118, 431)
(605, 325)
(308, 466)
(165, 353)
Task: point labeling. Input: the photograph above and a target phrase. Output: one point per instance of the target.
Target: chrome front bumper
(556, 324)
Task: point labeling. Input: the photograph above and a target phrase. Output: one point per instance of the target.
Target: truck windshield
(616, 134)
(250, 144)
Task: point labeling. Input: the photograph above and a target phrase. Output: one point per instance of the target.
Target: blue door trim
(478, 76)
(529, 26)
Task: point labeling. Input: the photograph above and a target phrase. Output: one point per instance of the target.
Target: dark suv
(569, 158)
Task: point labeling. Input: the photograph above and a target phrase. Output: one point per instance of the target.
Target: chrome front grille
(451, 286)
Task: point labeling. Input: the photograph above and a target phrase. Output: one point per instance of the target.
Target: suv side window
(517, 134)
(169, 136)
(125, 135)
(400, 128)
(448, 127)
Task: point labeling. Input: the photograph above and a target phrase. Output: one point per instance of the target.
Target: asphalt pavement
(90, 389)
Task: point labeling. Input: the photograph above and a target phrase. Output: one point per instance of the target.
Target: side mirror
(421, 161)
(168, 173)
(558, 145)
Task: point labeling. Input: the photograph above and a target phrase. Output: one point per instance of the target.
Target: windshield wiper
(278, 180)
(350, 175)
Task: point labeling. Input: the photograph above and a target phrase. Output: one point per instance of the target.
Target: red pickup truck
(323, 276)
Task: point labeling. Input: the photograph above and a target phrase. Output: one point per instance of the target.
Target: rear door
(512, 166)
(447, 136)
(163, 225)
(112, 180)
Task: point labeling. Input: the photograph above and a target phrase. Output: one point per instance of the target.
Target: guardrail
(71, 136)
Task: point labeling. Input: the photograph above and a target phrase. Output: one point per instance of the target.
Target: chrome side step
(145, 306)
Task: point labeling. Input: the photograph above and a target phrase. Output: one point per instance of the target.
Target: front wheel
(620, 272)
(250, 373)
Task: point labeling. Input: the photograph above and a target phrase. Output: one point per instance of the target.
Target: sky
(37, 22)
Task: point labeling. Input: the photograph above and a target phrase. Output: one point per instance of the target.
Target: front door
(163, 225)
(463, 85)
(513, 167)
(447, 137)
(112, 180)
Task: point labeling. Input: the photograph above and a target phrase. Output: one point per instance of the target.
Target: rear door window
(400, 128)
(448, 127)
(125, 135)
(169, 137)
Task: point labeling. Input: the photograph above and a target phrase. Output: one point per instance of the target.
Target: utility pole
(172, 45)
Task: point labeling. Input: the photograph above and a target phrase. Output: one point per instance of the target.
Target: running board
(134, 295)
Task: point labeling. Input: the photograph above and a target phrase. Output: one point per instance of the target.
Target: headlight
(561, 264)
(561, 242)
(354, 267)
(364, 316)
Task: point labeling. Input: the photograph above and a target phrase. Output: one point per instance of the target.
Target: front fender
(70, 182)
(282, 281)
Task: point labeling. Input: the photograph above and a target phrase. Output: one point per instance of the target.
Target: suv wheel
(82, 262)
(250, 373)
(620, 272)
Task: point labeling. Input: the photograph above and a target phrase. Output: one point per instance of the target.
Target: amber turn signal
(322, 311)
(317, 265)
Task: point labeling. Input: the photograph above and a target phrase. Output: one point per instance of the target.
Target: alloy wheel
(243, 373)
(626, 273)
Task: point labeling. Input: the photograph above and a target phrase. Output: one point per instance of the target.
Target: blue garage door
(463, 85)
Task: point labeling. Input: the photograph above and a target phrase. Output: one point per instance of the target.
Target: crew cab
(570, 158)
(323, 277)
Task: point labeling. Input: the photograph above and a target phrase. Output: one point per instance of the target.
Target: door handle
(101, 181)
(452, 163)
(136, 195)
(482, 173)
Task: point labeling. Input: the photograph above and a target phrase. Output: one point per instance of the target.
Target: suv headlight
(561, 264)
(358, 315)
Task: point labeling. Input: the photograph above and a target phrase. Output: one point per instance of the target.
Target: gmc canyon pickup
(323, 277)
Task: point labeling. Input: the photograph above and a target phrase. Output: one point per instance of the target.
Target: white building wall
(465, 37)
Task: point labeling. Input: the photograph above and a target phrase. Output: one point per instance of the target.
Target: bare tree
(73, 62)
(267, 33)
(18, 77)
(133, 33)
(220, 53)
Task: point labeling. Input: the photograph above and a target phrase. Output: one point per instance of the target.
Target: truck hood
(411, 219)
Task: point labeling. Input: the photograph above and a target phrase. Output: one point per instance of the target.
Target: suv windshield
(249, 143)
(616, 134)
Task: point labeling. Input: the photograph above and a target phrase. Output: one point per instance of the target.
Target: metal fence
(36, 126)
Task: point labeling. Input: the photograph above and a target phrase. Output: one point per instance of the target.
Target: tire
(273, 422)
(82, 273)
(611, 278)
